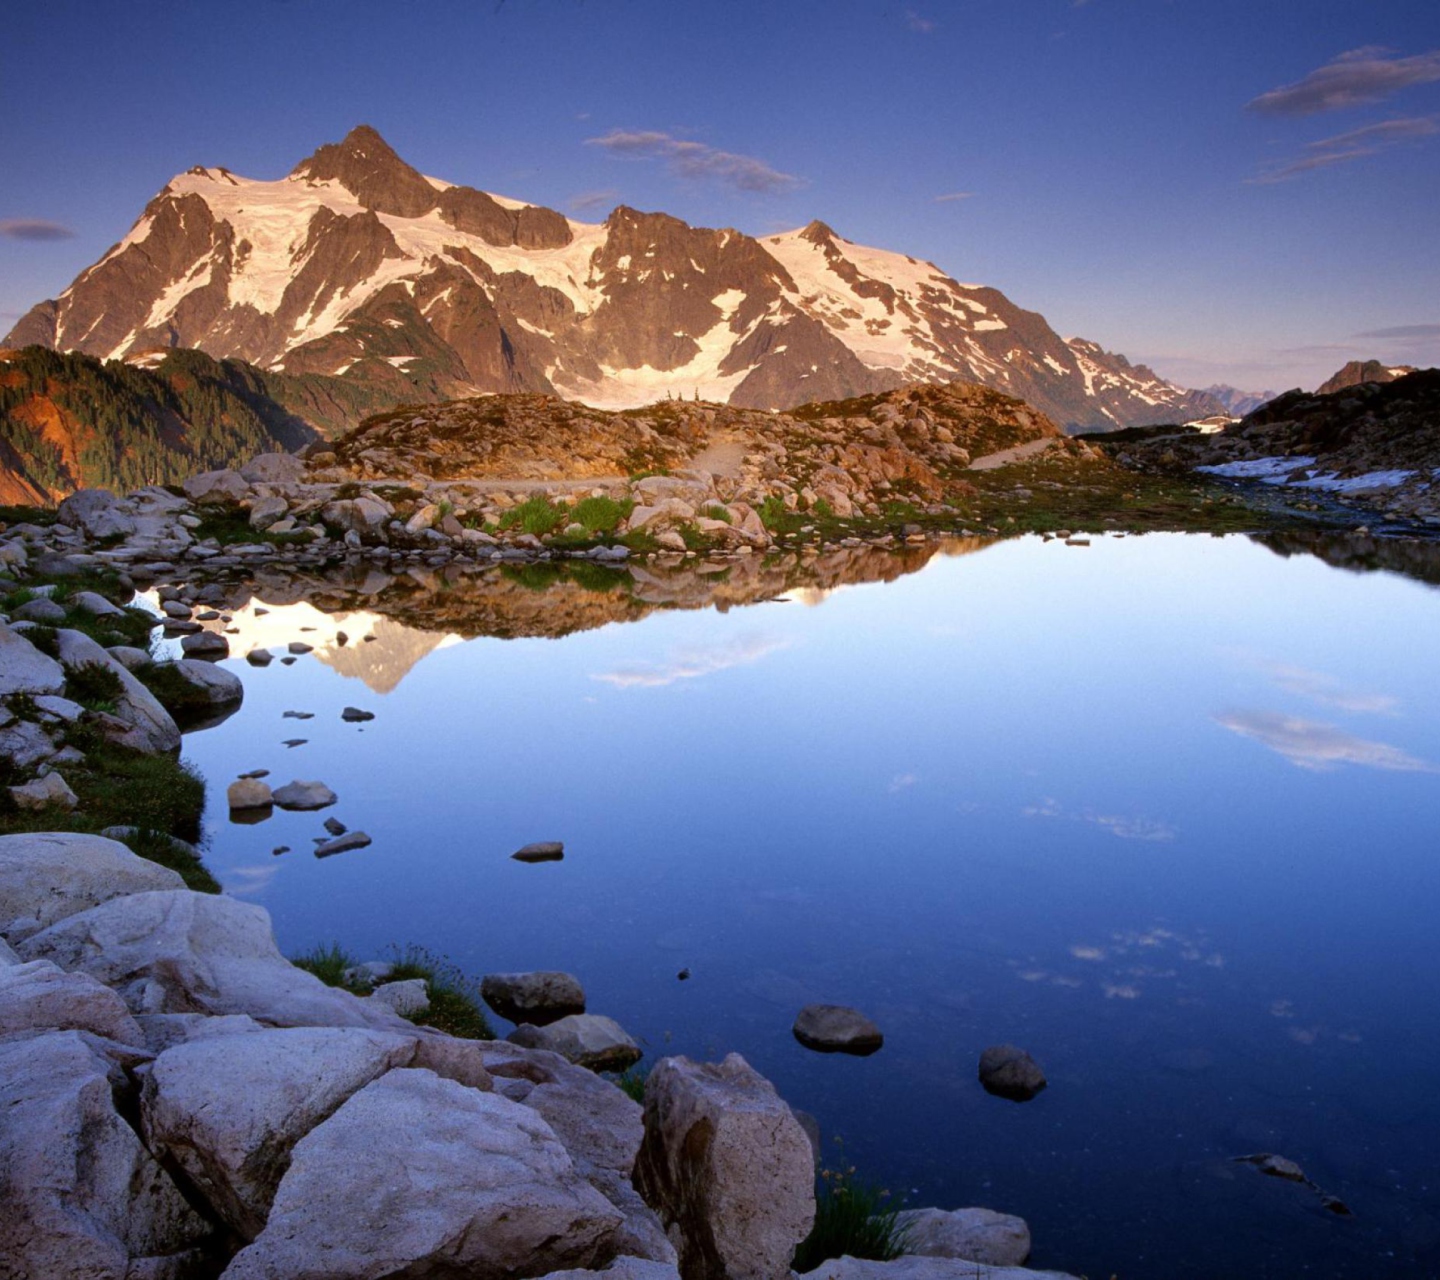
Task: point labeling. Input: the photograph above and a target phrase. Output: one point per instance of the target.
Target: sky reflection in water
(1161, 810)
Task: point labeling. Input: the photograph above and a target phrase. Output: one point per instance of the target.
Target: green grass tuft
(94, 686)
(602, 515)
(326, 963)
(852, 1219)
(632, 1083)
(536, 515)
(455, 1003)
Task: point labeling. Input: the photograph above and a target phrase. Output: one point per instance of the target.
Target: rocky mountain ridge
(357, 266)
(1356, 372)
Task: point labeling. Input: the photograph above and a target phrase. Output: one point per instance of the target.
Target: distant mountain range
(1237, 402)
(358, 269)
(1360, 371)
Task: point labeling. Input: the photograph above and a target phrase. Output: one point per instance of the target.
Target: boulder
(98, 512)
(407, 997)
(1008, 1072)
(834, 1028)
(343, 844)
(205, 644)
(274, 468)
(93, 603)
(438, 1180)
(586, 1039)
(148, 726)
(727, 1167)
(217, 487)
(229, 1109)
(129, 657)
(24, 743)
(174, 951)
(41, 610)
(541, 851)
(911, 1267)
(46, 877)
(40, 996)
(248, 793)
(624, 1268)
(304, 795)
(82, 1197)
(364, 515)
(977, 1235)
(223, 689)
(265, 512)
(540, 997)
(42, 793)
(24, 669)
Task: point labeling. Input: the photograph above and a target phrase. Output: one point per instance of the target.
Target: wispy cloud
(1330, 692)
(919, 23)
(1404, 331)
(34, 229)
(589, 201)
(950, 197)
(1125, 828)
(691, 664)
(902, 782)
(1353, 79)
(1310, 744)
(696, 160)
(1355, 144)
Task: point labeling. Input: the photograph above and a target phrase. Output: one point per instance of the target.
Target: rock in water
(727, 1167)
(541, 997)
(205, 644)
(912, 1267)
(976, 1235)
(304, 795)
(586, 1039)
(249, 793)
(342, 844)
(834, 1028)
(438, 1180)
(353, 715)
(544, 851)
(1008, 1072)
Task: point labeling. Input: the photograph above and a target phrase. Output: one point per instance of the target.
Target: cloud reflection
(1117, 825)
(1328, 691)
(1312, 744)
(693, 663)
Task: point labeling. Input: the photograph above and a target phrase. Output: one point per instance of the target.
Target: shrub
(632, 1082)
(602, 515)
(536, 515)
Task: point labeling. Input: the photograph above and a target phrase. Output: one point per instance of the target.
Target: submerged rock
(342, 844)
(304, 795)
(540, 997)
(834, 1028)
(1008, 1072)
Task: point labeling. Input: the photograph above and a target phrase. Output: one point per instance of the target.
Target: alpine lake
(1161, 810)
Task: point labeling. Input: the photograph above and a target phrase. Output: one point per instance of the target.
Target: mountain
(357, 266)
(1357, 372)
(1238, 403)
(70, 421)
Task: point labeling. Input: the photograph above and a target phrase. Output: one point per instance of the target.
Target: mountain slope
(1358, 372)
(69, 421)
(356, 265)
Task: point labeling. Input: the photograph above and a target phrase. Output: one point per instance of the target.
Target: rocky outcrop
(1357, 372)
(539, 997)
(925, 1268)
(586, 1039)
(467, 1183)
(727, 1167)
(976, 1235)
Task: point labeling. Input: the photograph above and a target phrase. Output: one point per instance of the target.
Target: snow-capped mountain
(358, 265)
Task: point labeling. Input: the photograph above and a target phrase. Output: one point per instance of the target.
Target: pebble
(299, 646)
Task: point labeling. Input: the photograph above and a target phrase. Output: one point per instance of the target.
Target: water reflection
(1310, 744)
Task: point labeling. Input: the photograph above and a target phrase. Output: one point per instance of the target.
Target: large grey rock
(217, 487)
(93, 603)
(40, 996)
(366, 514)
(182, 952)
(43, 793)
(977, 1235)
(205, 644)
(25, 743)
(727, 1167)
(7, 955)
(834, 1028)
(274, 468)
(439, 1180)
(24, 669)
(48, 876)
(624, 1268)
(82, 1197)
(267, 511)
(229, 1109)
(598, 1125)
(922, 1268)
(586, 1039)
(248, 793)
(1008, 1072)
(223, 688)
(304, 795)
(98, 512)
(407, 997)
(46, 612)
(150, 727)
(539, 997)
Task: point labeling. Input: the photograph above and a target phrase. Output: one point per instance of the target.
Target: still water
(1161, 810)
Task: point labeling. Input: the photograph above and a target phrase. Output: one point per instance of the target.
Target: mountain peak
(368, 167)
(818, 232)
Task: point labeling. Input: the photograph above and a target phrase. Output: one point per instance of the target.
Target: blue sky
(1234, 190)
